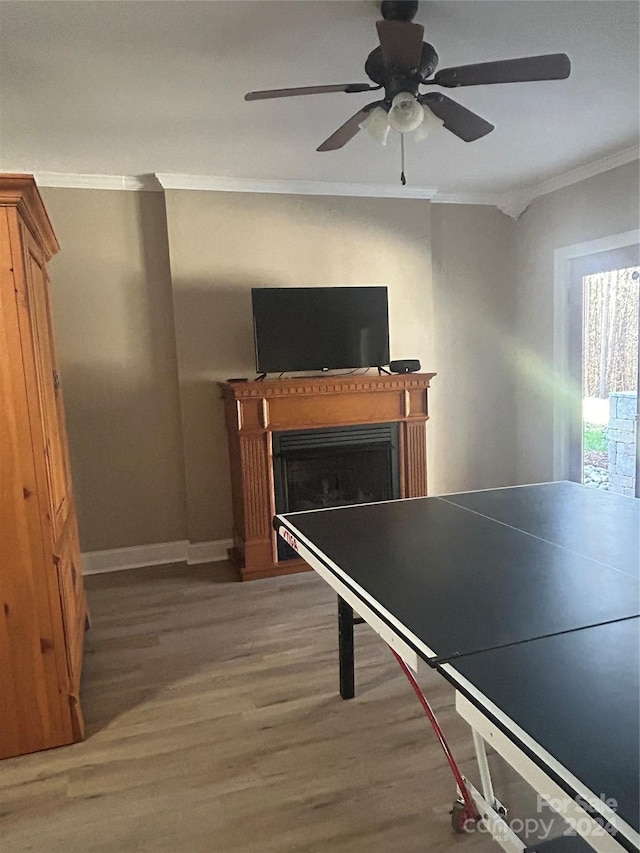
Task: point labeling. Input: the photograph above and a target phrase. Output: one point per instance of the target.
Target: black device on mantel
(405, 365)
(320, 328)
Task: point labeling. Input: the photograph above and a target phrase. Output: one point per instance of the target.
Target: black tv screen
(318, 328)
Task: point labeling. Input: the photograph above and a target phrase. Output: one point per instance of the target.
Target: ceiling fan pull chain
(403, 179)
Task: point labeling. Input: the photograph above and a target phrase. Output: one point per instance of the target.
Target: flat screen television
(320, 328)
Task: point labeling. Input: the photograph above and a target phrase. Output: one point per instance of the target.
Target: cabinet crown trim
(21, 191)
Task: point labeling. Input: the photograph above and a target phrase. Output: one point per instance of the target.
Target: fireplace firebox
(319, 468)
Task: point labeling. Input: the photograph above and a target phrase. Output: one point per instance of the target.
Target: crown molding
(70, 180)
(588, 170)
(214, 183)
(491, 199)
(512, 203)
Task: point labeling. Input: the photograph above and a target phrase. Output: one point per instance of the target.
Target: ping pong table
(527, 600)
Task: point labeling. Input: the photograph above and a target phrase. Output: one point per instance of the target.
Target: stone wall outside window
(621, 433)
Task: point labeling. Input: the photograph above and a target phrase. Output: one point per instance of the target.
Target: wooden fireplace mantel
(255, 410)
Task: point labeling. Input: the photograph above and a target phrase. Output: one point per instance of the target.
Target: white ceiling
(131, 88)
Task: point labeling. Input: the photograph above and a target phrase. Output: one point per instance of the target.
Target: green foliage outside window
(595, 438)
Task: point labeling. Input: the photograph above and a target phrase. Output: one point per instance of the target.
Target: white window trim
(562, 258)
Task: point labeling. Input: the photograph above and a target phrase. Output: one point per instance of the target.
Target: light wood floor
(214, 724)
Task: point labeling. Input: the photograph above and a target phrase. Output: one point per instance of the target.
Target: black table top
(526, 598)
(577, 696)
(594, 523)
(461, 581)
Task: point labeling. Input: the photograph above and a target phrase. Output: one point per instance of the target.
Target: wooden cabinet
(43, 609)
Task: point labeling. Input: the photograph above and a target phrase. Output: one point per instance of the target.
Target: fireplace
(318, 441)
(319, 468)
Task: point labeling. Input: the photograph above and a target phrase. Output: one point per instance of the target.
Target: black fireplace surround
(338, 466)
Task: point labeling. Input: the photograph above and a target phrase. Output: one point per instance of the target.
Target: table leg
(483, 767)
(345, 649)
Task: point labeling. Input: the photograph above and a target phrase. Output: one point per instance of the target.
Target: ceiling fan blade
(308, 90)
(458, 119)
(401, 43)
(348, 130)
(552, 66)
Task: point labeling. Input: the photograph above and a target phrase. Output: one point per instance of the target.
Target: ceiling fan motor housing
(399, 10)
(394, 81)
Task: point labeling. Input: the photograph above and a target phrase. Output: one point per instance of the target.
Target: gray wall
(473, 437)
(152, 307)
(113, 317)
(222, 245)
(599, 207)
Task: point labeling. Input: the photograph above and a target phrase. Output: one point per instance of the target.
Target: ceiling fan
(401, 64)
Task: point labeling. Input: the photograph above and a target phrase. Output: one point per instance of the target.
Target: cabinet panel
(48, 383)
(72, 597)
(27, 718)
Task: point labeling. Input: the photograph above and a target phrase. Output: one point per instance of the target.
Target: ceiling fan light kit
(430, 123)
(406, 114)
(377, 125)
(401, 64)
(417, 120)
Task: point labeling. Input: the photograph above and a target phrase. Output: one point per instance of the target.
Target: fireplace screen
(319, 468)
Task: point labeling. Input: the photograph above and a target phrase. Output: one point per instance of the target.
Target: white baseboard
(119, 559)
(208, 552)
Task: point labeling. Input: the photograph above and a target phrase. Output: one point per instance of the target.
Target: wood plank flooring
(214, 725)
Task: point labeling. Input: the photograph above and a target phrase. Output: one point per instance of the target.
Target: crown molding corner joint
(513, 205)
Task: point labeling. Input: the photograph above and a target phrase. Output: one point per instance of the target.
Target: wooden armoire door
(47, 384)
(32, 679)
(65, 542)
(43, 612)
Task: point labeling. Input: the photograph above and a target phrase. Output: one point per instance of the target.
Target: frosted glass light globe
(406, 114)
(377, 125)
